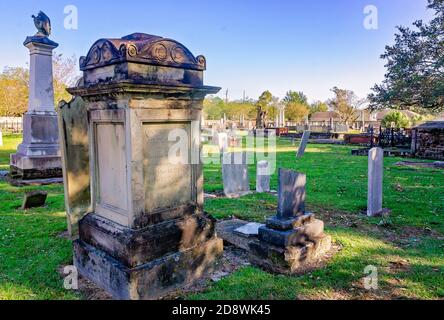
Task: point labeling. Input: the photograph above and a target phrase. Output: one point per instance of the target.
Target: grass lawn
(407, 248)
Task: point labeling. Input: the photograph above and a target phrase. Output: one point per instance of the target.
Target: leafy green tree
(295, 97)
(415, 67)
(296, 111)
(396, 119)
(318, 106)
(346, 104)
(213, 108)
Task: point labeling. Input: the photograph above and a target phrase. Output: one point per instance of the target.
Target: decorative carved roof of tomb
(141, 48)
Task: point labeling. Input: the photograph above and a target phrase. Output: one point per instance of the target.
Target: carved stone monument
(293, 238)
(147, 233)
(38, 157)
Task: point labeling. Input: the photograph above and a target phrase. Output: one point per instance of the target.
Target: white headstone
(1, 139)
(263, 177)
(222, 141)
(235, 174)
(375, 179)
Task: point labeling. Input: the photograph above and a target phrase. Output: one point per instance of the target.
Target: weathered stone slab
(303, 144)
(226, 231)
(263, 177)
(235, 174)
(375, 181)
(73, 124)
(291, 202)
(34, 199)
(249, 230)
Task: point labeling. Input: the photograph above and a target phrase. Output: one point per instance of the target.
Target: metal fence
(11, 124)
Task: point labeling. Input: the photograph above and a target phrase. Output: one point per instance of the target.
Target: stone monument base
(148, 263)
(38, 156)
(291, 259)
(290, 246)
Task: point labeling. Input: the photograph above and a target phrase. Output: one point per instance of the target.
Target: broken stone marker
(293, 238)
(147, 233)
(263, 177)
(303, 145)
(34, 199)
(375, 179)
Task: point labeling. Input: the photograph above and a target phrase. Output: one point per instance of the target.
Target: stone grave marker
(263, 176)
(73, 125)
(375, 181)
(303, 144)
(235, 174)
(34, 199)
(293, 237)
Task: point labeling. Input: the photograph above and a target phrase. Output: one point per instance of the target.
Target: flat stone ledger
(293, 239)
(38, 157)
(147, 233)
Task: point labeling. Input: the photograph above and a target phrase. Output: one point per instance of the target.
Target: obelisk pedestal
(38, 157)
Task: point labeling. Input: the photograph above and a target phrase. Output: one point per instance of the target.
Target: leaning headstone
(73, 124)
(263, 177)
(34, 199)
(235, 174)
(38, 156)
(292, 238)
(375, 181)
(148, 234)
(303, 145)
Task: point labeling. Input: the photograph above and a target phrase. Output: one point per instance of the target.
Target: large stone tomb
(147, 233)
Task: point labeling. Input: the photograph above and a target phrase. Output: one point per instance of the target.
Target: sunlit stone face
(168, 182)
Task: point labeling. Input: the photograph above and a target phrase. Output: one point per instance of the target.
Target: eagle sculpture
(43, 24)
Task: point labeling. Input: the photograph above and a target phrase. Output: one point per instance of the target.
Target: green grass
(31, 252)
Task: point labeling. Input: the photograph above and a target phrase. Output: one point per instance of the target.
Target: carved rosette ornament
(142, 48)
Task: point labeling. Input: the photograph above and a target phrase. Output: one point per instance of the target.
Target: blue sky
(303, 45)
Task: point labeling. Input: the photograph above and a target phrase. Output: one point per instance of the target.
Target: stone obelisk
(38, 158)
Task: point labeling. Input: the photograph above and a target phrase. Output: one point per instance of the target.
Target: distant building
(324, 118)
